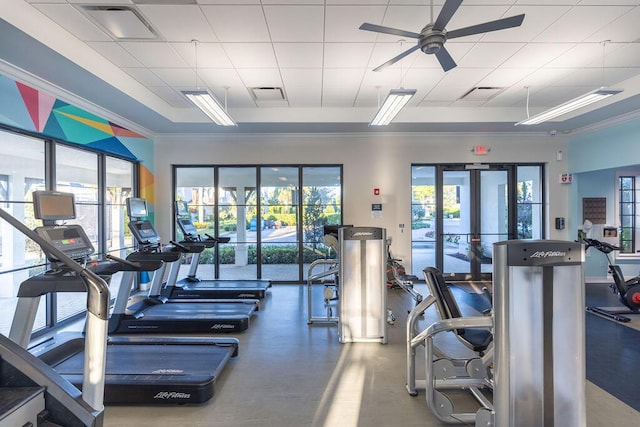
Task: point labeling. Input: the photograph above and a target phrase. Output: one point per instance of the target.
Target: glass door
(460, 211)
(475, 214)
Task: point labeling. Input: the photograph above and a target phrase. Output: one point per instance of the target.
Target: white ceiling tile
(295, 23)
(623, 29)
(544, 77)
(260, 77)
(101, 2)
(580, 22)
(604, 2)
(484, 55)
(468, 77)
(219, 78)
(446, 93)
(69, 18)
(299, 55)
(303, 87)
(342, 23)
(368, 97)
(116, 54)
(238, 23)
(206, 2)
(340, 86)
(171, 96)
(154, 54)
(580, 55)
(624, 55)
(408, 18)
(510, 97)
(363, 2)
(505, 77)
(179, 23)
(251, 55)
(294, 2)
(237, 97)
(549, 2)
(183, 77)
(423, 79)
(347, 55)
(210, 55)
(536, 55)
(373, 80)
(144, 76)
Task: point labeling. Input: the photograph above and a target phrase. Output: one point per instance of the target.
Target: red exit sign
(480, 150)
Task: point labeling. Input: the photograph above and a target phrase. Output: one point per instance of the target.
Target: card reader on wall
(560, 223)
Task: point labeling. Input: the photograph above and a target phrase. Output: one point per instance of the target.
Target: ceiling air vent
(121, 22)
(481, 93)
(266, 96)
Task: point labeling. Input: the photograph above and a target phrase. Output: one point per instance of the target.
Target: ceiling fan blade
(387, 30)
(450, 7)
(446, 61)
(500, 24)
(397, 58)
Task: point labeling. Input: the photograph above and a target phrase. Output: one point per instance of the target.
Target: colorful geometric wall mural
(29, 109)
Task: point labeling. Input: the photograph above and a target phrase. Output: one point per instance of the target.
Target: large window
(273, 217)
(22, 166)
(627, 199)
(100, 184)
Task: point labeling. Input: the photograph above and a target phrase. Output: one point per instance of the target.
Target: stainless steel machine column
(363, 293)
(539, 334)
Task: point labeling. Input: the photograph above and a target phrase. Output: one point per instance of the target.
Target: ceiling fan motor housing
(431, 40)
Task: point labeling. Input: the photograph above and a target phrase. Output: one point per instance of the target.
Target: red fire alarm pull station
(376, 191)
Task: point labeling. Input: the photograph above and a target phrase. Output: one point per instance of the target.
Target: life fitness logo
(548, 254)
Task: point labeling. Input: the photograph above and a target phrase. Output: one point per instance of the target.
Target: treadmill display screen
(144, 232)
(53, 205)
(182, 208)
(187, 227)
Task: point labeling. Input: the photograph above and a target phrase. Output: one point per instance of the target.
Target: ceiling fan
(433, 36)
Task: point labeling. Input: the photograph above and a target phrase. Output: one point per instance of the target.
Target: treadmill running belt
(155, 373)
(177, 310)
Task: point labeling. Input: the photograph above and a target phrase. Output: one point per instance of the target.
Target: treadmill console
(70, 239)
(144, 232)
(188, 229)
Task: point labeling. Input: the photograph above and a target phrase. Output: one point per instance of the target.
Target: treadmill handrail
(98, 314)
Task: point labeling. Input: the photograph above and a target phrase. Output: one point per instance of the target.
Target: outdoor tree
(313, 212)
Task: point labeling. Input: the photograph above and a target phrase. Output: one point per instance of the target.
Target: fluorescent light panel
(574, 104)
(394, 102)
(210, 105)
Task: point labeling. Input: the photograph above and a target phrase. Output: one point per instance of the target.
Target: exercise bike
(628, 291)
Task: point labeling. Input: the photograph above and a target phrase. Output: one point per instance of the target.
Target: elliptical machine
(628, 291)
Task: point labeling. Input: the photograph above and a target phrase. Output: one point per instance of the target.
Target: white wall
(369, 161)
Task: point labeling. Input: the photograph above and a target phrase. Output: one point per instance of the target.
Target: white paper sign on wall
(566, 178)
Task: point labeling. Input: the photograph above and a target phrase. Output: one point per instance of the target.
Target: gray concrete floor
(291, 374)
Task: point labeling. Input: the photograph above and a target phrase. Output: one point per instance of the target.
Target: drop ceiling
(312, 52)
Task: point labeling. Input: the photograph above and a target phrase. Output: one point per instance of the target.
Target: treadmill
(193, 287)
(139, 370)
(159, 315)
